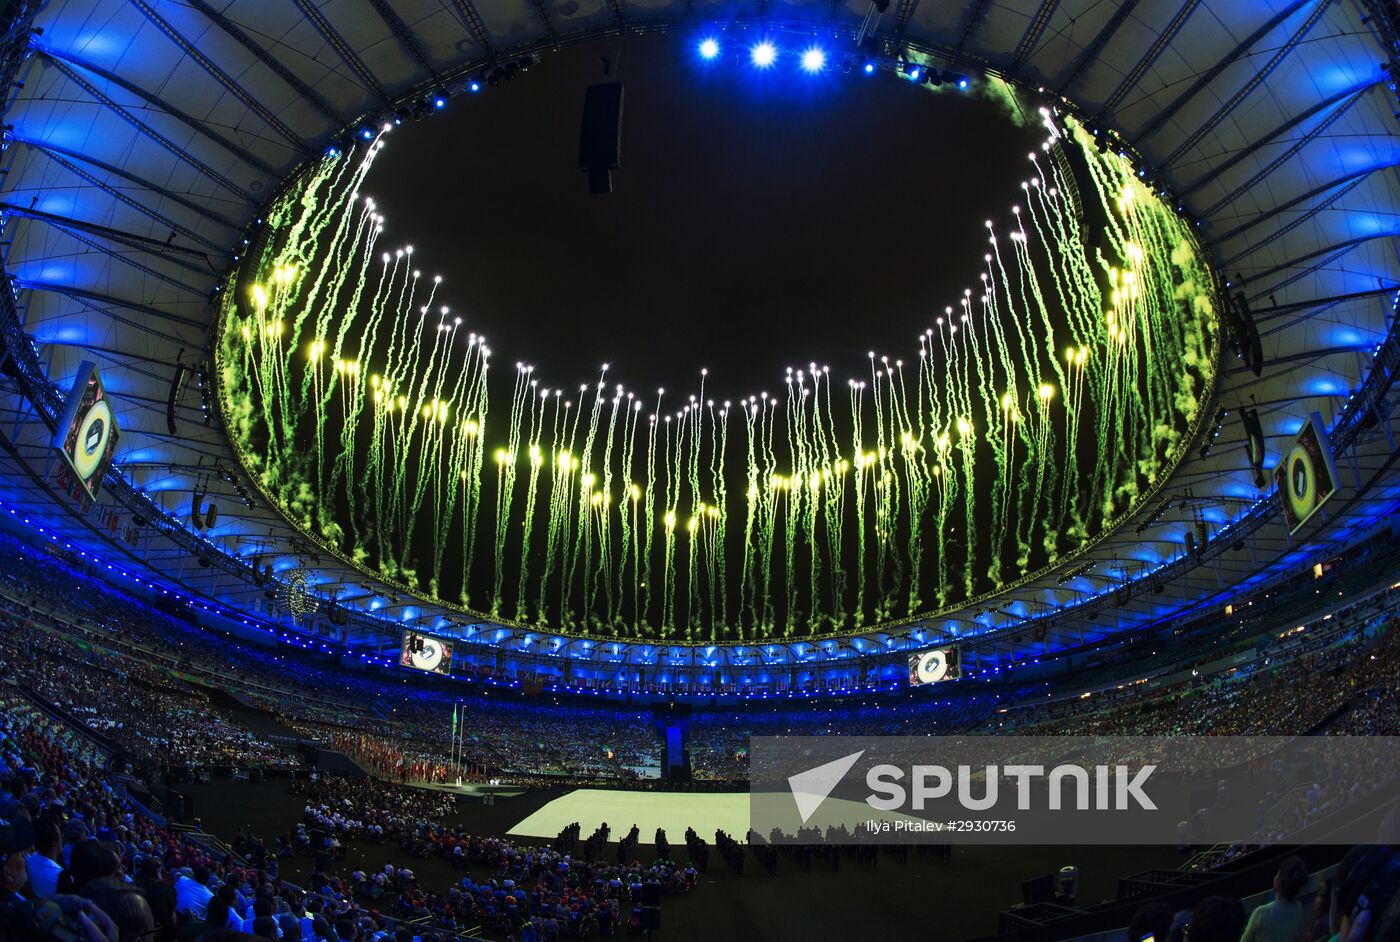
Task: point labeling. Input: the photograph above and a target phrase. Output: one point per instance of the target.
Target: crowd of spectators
(1344, 679)
(100, 863)
(130, 703)
(1358, 903)
(399, 729)
(371, 808)
(543, 893)
(566, 888)
(719, 739)
(96, 867)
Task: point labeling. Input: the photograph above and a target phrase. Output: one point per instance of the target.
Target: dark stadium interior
(1013, 555)
(741, 240)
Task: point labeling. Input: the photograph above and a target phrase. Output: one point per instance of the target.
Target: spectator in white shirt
(192, 893)
(43, 865)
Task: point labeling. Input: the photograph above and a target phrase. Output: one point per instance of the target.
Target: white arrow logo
(810, 788)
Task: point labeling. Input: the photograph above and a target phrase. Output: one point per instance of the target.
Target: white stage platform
(673, 811)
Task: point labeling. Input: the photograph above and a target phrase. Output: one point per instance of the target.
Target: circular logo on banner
(94, 431)
(429, 657)
(1302, 481)
(932, 667)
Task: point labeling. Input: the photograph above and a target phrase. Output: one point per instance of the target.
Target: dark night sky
(760, 220)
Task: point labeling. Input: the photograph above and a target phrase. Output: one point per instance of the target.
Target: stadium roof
(143, 136)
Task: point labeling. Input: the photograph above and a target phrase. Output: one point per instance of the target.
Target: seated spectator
(1364, 905)
(261, 909)
(88, 860)
(192, 893)
(126, 905)
(1153, 920)
(218, 915)
(1281, 919)
(44, 865)
(1216, 919)
(159, 896)
(16, 841)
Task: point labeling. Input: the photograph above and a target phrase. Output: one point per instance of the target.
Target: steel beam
(1249, 87)
(1211, 74)
(95, 297)
(1299, 276)
(309, 94)
(1294, 224)
(222, 77)
(976, 13)
(902, 13)
(121, 357)
(142, 325)
(476, 26)
(548, 21)
(1284, 207)
(1245, 152)
(1283, 158)
(1305, 356)
(1090, 53)
(1264, 313)
(1034, 31)
(405, 36)
(61, 157)
(179, 254)
(1350, 243)
(342, 48)
(1159, 45)
(127, 260)
(165, 142)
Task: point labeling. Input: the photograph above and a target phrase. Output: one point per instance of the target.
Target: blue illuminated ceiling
(146, 135)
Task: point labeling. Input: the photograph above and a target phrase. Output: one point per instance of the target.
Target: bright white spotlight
(813, 60)
(764, 54)
(709, 49)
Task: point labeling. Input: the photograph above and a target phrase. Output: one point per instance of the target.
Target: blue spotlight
(709, 49)
(475, 86)
(440, 102)
(869, 68)
(764, 54)
(962, 83)
(813, 60)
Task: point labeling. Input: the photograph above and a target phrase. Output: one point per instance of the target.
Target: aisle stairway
(262, 722)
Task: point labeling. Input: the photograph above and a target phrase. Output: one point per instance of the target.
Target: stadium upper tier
(153, 149)
(81, 638)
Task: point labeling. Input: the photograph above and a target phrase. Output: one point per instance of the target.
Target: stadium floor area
(928, 896)
(672, 811)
